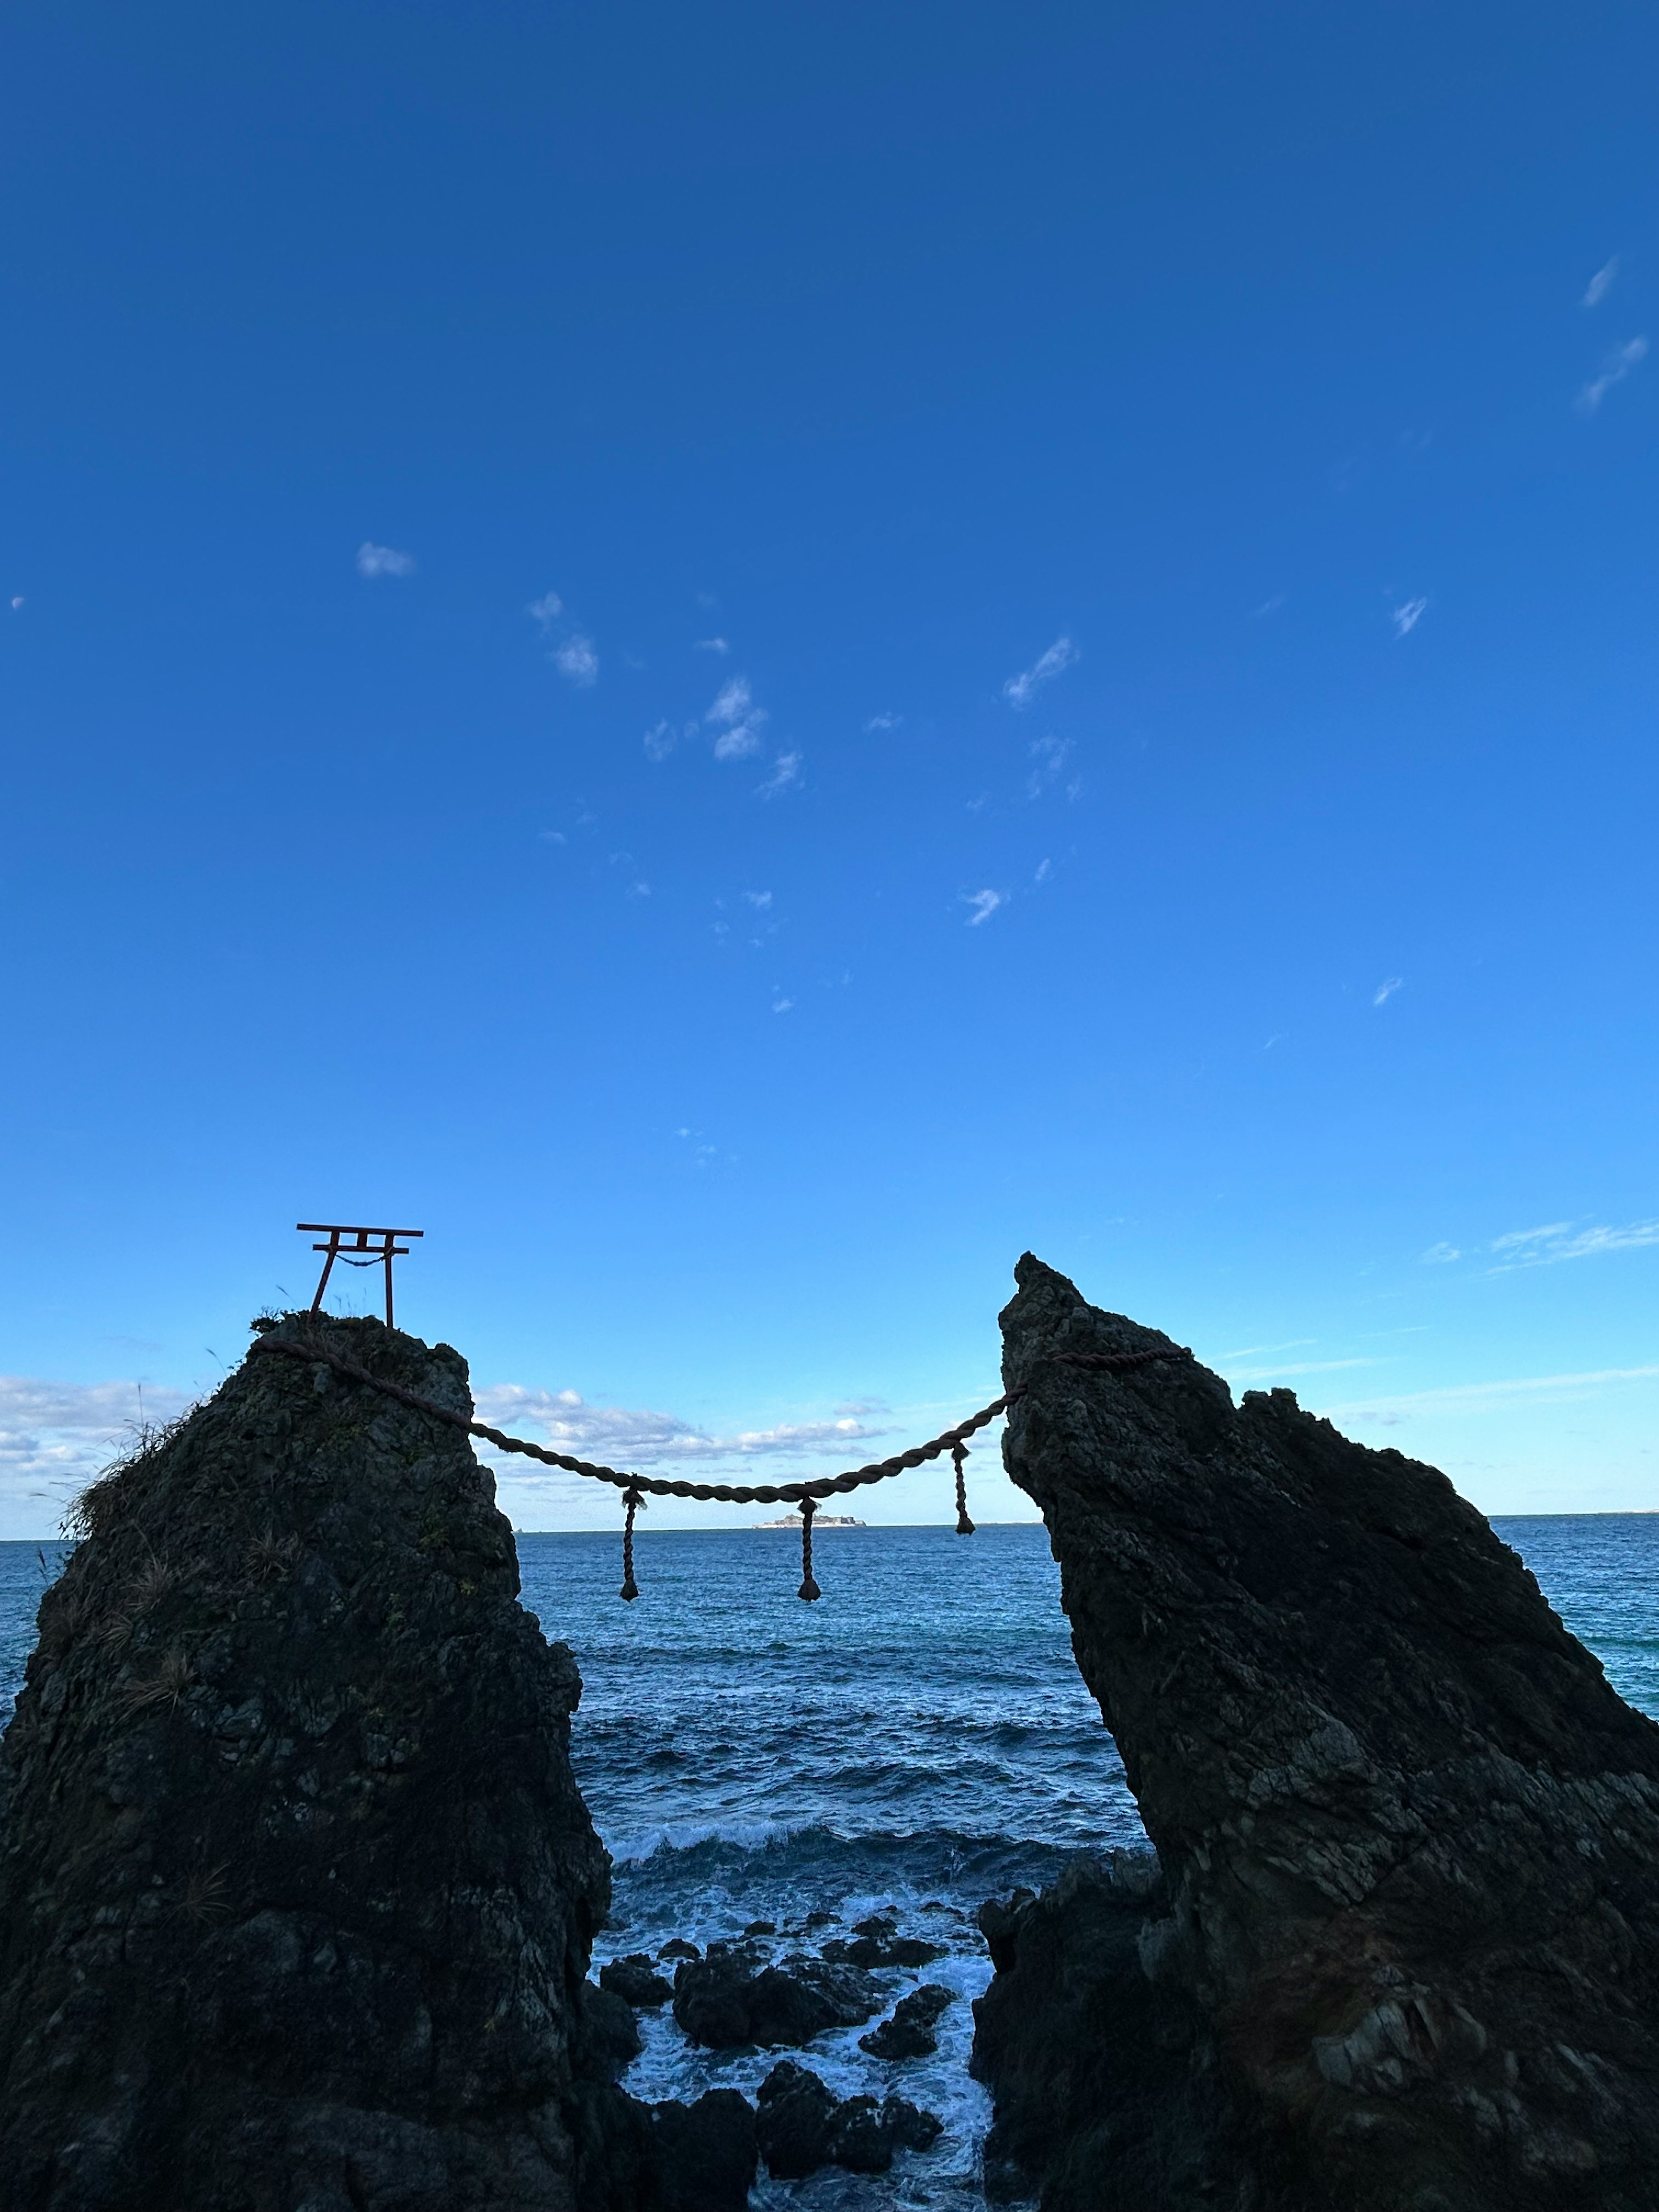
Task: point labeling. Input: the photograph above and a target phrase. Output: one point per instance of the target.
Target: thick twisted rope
(729, 1493)
(806, 1495)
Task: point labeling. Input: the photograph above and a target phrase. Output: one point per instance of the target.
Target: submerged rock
(884, 1950)
(727, 2000)
(910, 2034)
(297, 1891)
(802, 2124)
(636, 1980)
(1403, 1956)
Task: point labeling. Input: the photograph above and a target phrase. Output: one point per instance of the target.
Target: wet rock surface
(802, 2125)
(297, 1891)
(1401, 1953)
(876, 1943)
(910, 2033)
(730, 1998)
(636, 1981)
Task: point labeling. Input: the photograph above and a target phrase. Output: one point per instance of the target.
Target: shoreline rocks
(1402, 1951)
(728, 1998)
(801, 2125)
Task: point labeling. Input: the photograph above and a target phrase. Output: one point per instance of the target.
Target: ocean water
(916, 1742)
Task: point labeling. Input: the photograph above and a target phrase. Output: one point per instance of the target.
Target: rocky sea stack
(296, 1886)
(1399, 1950)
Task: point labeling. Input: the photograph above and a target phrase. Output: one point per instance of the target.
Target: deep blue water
(914, 1741)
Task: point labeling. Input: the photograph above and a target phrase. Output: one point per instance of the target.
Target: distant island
(819, 1521)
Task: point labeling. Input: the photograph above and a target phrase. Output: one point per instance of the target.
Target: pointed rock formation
(1400, 1952)
(296, 1886)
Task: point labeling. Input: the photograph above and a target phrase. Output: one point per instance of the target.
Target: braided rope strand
(631, 1589)
(809, 1589)
(806, 1495)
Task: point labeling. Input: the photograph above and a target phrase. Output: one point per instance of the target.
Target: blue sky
(746, 658)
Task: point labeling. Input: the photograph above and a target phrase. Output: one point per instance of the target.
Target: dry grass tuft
(115, 1633)
(205, 1896)
(99, 1507)
(270, 1554)
(165, 1687)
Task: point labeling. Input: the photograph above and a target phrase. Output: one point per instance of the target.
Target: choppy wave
(915, 1742)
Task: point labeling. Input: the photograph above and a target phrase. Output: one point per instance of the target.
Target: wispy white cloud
(758, 898)
(1386, 989)
(782, 1005)
(881, 722)
(984, 903)
(737, 718)
(710, 645)
(1601, 284)
(1269, 606)
(1260, 1350)
(1297, 1367)
(1049, 756)
(1488, 1397)
(553, 837)
(1407, 617)
(56, 1436)
(545, 611)
(786, 772)
(1614, 369)
(1044, 869)
(1565, 1240)
(383, 560)
(1441, 1254)
(659, 741)
(1020, 691)
(577, 662)
(733, 702)
(17, 603)
(621, 1438)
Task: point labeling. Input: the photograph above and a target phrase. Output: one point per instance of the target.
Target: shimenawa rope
(633, 1486)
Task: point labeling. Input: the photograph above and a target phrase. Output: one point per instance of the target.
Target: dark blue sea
(916, 1740)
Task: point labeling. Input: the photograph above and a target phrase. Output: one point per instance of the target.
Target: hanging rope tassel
(809, 1588)
(631, 1589)
(964, 1526)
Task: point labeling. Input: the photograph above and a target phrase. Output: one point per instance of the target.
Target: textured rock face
(724, 2002)
(297, 1887)
(1404, 1956)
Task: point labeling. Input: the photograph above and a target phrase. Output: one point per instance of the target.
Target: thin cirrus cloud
(1614, 369)
(383, 560)
(1049, 756)
(1406, 618)
(717, 645)
(1297, 1367)
(738, 720)
(881, 722)
(1441, 1254)
(1020, 691)
(1386, 989)
(984, 903)
(1565, 1239)
(786, 772)
(1601, 284)
(1488, 1397)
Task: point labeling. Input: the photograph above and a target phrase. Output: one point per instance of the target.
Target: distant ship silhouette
(819, 1521)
